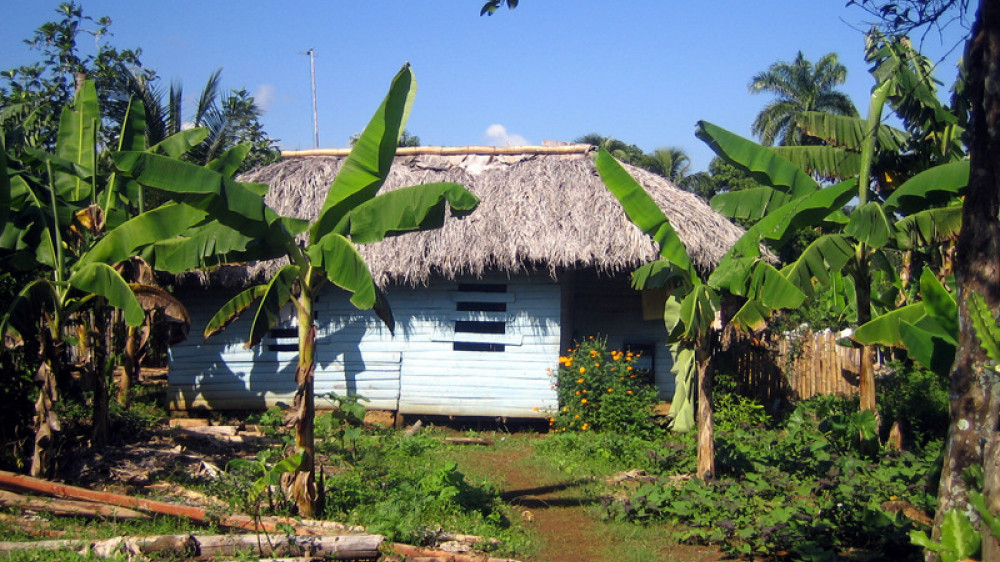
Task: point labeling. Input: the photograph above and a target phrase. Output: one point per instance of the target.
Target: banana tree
(354, 212)
(694, 304)
(64, 211)
(855, 245)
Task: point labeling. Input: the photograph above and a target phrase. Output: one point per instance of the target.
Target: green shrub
(601, 390)
(918, 399)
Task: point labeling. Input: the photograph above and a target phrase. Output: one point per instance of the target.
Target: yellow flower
(585, 427)
(583, 370)
(593, 353)
(583, 400)
(565, 408)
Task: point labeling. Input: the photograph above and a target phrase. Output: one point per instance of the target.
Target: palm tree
(671, 162)
(229, 119)
(799, 87)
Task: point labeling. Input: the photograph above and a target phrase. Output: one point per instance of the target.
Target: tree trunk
(975, 388)
(131, 364)
(706, 429)
(99, 372)
(303, 487)
(46, 419)
(863, 301)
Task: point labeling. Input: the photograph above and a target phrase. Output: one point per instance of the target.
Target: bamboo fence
(791, 366)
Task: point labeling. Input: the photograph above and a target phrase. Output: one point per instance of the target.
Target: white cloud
(497, 135)
(264, 95)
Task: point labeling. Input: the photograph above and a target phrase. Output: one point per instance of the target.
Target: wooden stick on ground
(68, 507)
(10, 480)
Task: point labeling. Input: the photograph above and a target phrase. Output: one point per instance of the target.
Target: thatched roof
(541, 208)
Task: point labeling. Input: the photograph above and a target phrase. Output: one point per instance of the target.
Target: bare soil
(563, 514)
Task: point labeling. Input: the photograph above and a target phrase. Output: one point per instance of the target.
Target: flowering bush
(601, 390)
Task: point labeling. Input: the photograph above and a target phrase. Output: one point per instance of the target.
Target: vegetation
(601, 390)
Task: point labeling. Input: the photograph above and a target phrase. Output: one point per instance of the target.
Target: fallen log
(342, 547)
(418, 552)
(20, 482)
(68, 507)
(468, 441)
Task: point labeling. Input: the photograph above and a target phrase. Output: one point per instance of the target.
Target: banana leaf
(934, 186)
(102, 279)
(366, 167)
(763, 163)
(233, 309)
(417, 207)
(76, 141)
(643, 211)
(344, 266)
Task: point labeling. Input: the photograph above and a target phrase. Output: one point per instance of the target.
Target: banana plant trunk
(303, 488)
(973, 439)
(863, 300)
(706, 428)
(46, 422)
(131, 367)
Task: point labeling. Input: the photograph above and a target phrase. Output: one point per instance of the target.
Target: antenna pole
(312, 68)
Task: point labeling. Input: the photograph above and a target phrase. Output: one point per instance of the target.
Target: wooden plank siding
(417, 371)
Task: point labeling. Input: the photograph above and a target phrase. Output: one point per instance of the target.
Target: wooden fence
(795, 366)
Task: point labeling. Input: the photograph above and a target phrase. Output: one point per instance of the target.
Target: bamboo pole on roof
(451, 150)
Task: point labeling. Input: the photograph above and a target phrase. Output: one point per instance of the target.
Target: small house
(483, 306)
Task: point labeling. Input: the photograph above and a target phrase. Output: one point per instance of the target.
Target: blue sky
(643, 71)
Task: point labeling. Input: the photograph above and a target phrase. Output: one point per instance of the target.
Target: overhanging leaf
(933, 186)
(884, 330)
(344, 266)
(417, 207)
(751, 204)
(102, 279)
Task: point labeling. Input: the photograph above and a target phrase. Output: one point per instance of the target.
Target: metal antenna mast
(312, 68)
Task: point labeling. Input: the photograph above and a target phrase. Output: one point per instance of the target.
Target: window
(477, 332)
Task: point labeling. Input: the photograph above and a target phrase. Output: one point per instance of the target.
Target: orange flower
(628, 391)
(577, 392)
(576, 416)
(579, 381)
(585, 426)
(583, 400)
(629, 368)
(597, 364)
(609, 390)
(583, 370)
(593, 353)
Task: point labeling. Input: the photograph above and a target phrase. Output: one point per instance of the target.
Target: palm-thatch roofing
(541, 208)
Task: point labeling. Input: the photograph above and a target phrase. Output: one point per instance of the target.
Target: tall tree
(973, 439)
(799, 86)
(33, 96)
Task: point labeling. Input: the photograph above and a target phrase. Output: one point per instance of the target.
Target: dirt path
(563, 513)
